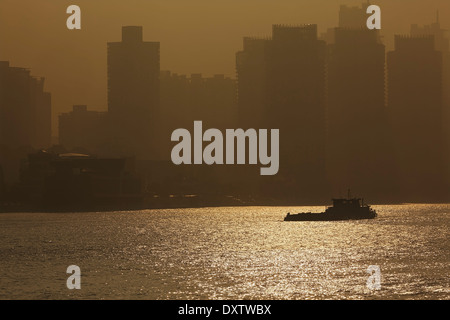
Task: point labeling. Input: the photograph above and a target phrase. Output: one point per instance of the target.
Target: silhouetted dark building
(252, 82)
(415, 105)
(353, 17)
(296, 106)
(83, 129)
(80, 182)
(175, 90)
(25, 109)
(442, 44)
(358, 135)
(25, 118)
(187, 99)
(133, 93)
(213, 100)
(281, 85)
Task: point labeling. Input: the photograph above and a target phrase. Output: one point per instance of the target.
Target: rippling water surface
(225, 253)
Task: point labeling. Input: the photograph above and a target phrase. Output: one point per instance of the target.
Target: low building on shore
(78, 182)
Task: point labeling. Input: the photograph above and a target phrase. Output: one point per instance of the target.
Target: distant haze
(197, 36)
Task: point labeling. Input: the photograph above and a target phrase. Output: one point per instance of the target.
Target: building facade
(415, 102)
(85, 130)
(25, 109)
(281, 85)
(133, 93)
(359, 151)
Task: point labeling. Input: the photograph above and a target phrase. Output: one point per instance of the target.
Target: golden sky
(197, 36)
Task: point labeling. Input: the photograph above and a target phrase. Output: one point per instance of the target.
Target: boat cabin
(340, 203)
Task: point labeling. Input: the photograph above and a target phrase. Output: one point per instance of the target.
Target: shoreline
(164, 205)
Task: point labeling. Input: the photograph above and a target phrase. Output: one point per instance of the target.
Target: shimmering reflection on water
(225, 253)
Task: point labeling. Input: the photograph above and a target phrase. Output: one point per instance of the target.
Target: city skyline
(208, 45)
(351, 112)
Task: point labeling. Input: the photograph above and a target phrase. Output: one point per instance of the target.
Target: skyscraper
(352, 18)
(358, 148)
(133, 93)
(415, 106)
(296, 98)
(251, 70)
(281, 84)
(25, 109)
(441, 44)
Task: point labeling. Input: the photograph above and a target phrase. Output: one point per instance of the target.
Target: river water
(225, 253)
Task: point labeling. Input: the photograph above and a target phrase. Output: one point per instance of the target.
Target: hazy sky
(197, 36)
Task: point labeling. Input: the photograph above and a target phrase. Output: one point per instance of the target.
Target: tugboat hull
(325, 217)
(342, 209)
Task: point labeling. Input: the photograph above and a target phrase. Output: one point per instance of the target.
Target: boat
(343, 209)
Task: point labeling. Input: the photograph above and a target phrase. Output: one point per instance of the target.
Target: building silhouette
(79, 182)
(296, 106)
(213, 100)
(25, 118)
(174, 91)
(353, 17)
(441, 44)
(25, 109)
(358, 133)
(350, 17)
(87, 131)
(415, 102)
(281, 84)
(187, 99)
(252, 82)
(133, 93)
